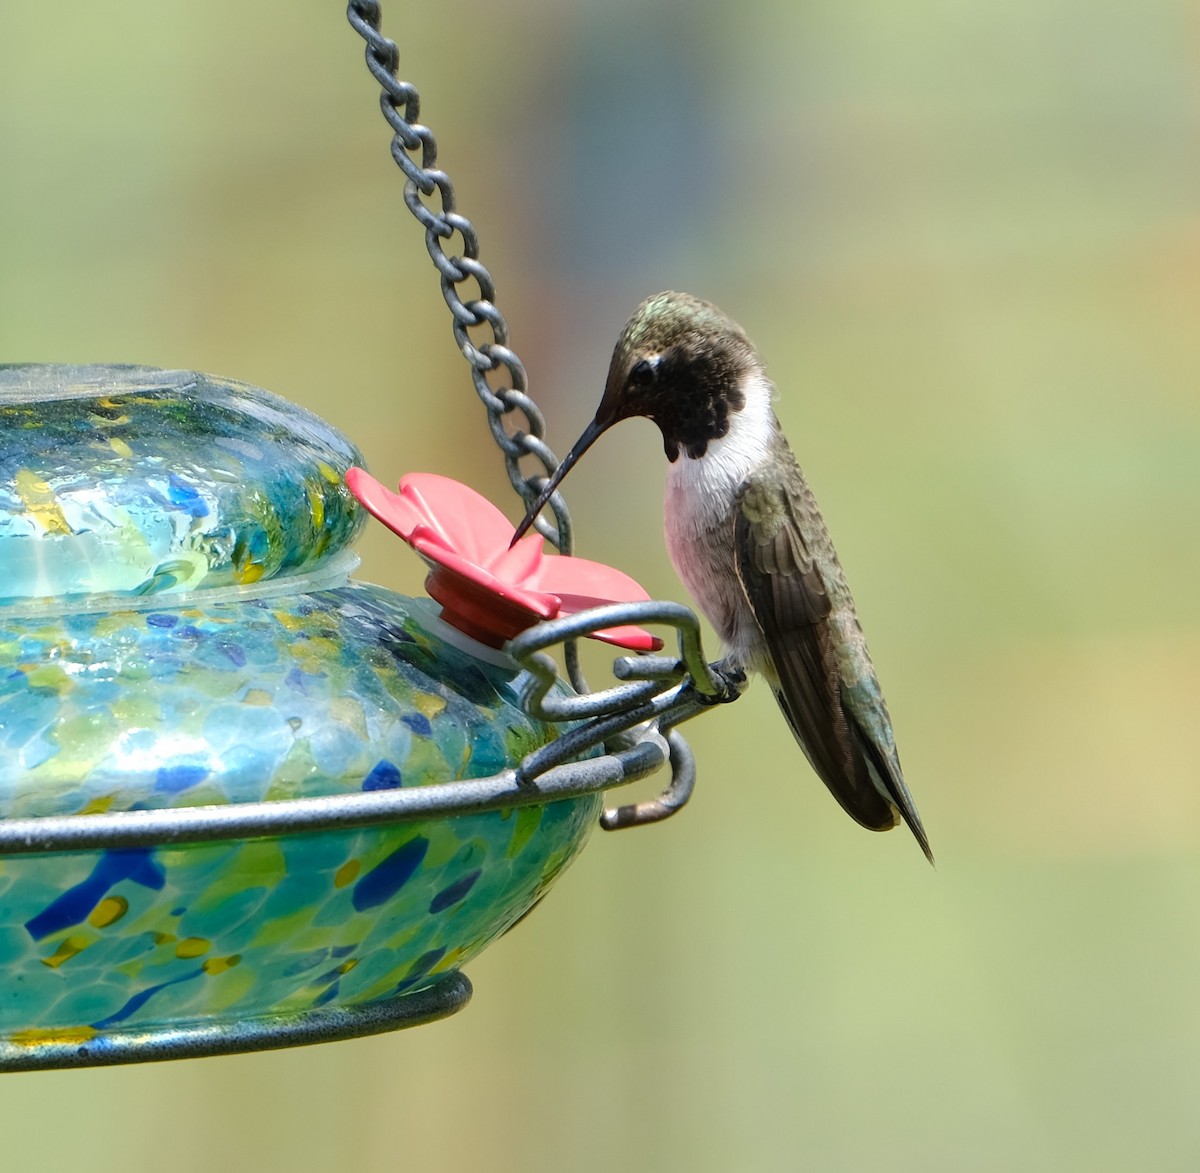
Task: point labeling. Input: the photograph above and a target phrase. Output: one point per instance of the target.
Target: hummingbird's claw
(730, 680)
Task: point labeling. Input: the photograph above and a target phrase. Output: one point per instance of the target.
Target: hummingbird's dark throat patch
(693, 397)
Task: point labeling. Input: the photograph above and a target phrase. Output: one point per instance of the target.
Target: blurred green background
(967, 239)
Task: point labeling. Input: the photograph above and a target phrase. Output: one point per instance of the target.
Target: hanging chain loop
(516, 423)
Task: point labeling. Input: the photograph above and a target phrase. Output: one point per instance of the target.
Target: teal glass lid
(133, 481)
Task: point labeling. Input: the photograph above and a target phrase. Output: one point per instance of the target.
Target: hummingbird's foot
(730, 679)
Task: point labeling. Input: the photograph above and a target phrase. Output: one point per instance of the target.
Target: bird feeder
(247, 801)
(190, 682)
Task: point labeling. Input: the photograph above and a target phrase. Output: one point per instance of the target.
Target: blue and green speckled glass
(177, 628)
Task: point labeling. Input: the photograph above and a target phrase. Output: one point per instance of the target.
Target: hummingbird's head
(679, 362)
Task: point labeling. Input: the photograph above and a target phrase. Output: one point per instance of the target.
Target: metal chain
(424, 181)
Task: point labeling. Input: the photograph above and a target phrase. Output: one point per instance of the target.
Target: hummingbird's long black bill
(591, 434)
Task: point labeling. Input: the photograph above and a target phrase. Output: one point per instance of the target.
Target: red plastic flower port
(485, 589)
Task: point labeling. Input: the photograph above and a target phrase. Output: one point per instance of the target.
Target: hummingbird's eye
(642, 373)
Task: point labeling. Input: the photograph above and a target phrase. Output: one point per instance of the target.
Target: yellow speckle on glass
(259, 864)
(50, 676)
(40, 1038)
(99, 805)
(115, 621)
(452, 958)
(424, 762)
(528, 818)
(323, 646)
(192, 947)
(120, 447)
(429, 704)
(316, 505)
(349, 712)
(39, 499)
(442, 849)
(69, 948)
(289, 928)
(131, 710)
(235, 984)
(250, 572)
(257, 696)
(347, 966)
(108, 911)
(164, 938)
(329, 473)
(347, 873)
(215, 965)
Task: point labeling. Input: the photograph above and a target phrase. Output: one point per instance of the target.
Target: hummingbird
(746, 537)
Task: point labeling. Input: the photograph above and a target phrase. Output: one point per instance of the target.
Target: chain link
(516, 423)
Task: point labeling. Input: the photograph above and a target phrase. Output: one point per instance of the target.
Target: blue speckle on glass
(234, 654)
(136, 864)
(185, 497)
(421, 967)
(140, 999)
(178, 778)
(418, 723)
(387, 878)
(384, 775)
(456, 892)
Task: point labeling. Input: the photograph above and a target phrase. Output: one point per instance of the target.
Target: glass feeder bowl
(178, 630)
